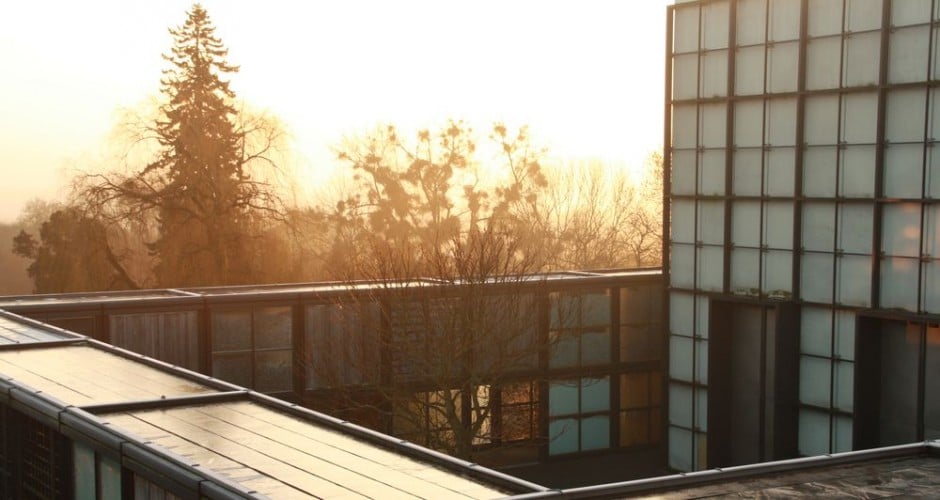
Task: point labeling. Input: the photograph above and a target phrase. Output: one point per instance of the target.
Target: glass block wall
(801, 168)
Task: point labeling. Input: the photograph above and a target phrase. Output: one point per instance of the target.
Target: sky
(585, 76)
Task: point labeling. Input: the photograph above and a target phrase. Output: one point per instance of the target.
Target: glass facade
(801, 171)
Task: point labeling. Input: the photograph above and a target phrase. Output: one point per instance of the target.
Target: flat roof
(282, 456)
(14, 331)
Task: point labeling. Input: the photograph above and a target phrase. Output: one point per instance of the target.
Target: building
(82, 419)
(571, 365)
(803, 224)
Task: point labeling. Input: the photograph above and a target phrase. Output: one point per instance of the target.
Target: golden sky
(585, 75)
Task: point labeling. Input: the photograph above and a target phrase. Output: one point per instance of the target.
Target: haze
(584, 75)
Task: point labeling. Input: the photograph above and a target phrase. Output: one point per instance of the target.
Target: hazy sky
(585, 75)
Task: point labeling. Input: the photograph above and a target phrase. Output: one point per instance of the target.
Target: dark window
(253, 348)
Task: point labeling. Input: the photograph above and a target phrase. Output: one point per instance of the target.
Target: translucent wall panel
(784, 20)
(910, 12)
(710, 266)
(861, 52)
(682, 180)
(857, 171)
(819, 226)
(816, 331)
(682, 221)
(715, 16)
(779, 172)
(685, 76)
(842, 434)
(932, 181)
(813, 432)
(821, 120)
(853, 280)
(903, 165)
(750, 25)
(783, 67)
(745, 223)
(746, 173)
(816, 275)
(819, 171)
(711, 221)
(681, 313)
(701, 316)
(901, 229)
(712, 129)
(777, 275)
(680, 405)
(863, 15)
(778, 224)
(686, 28)
(680, 358)
(905, 106)
(680, 449)
(684, 120)
(855, 228)
(860, 117)
(822, 72)
(931, 288)
(814, 381)
(745, 271)
(781, 122)
(749, 70)
(908, 54)
(825, 18)
(845, 334)
(711, 178)
(747, 117)
(714, 74)
(843, 386)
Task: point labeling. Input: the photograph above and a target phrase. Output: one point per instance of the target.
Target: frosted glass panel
(682, 180)
(685, 77)
(778, 224)
(857, 175)
(750, 29)
(595, 433)
(822, 120)
(701, 321)
(819, 171)
(816, 331)
(860, 117)
(710, 267)
(745, 223)
(745, 271)
(784, 20)
(932, 182)
(713, 127)
(715, 25)
(749, 69)
(908, 54)
(715, 74)
(681, 313)
(903, 170)
(701, 410)
(901, 229)
(932, 230)
(814, 432)
(910, 12)
(845, 335)
(861, 59)
(563, 436)
(931, 290)
(780, 172)
(680, 358)
(701, 365)
(825, 17)
(684, 118)
(855, 228)
(680, 449)
(863, 15)
(778, 274)
(782, 67)
(819, 226)
(747, 172)
(563, 398)
(842, 438)
(595, 394)
(682, 261)
(854, 281)
(897, 277)
(781, 122)
(844, 386)
(814, 381)
(821, 73)
(816, 275)
(711, 222)
(680, 405)
(748, 117)
(712, 177)
(686, 38)
(904, 106)
(682, 221)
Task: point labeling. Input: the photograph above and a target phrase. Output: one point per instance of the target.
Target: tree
(203, 194)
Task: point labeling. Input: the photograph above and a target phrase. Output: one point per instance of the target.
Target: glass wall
(252, 347)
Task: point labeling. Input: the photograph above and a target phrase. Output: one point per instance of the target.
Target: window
(430, 418)
(579, 415)
(580, 330)
(518, 412)
(342, 344)
(640, 409)
(253, 348)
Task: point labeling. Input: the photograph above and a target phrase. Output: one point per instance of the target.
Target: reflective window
(253, 347)
(579, 415)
